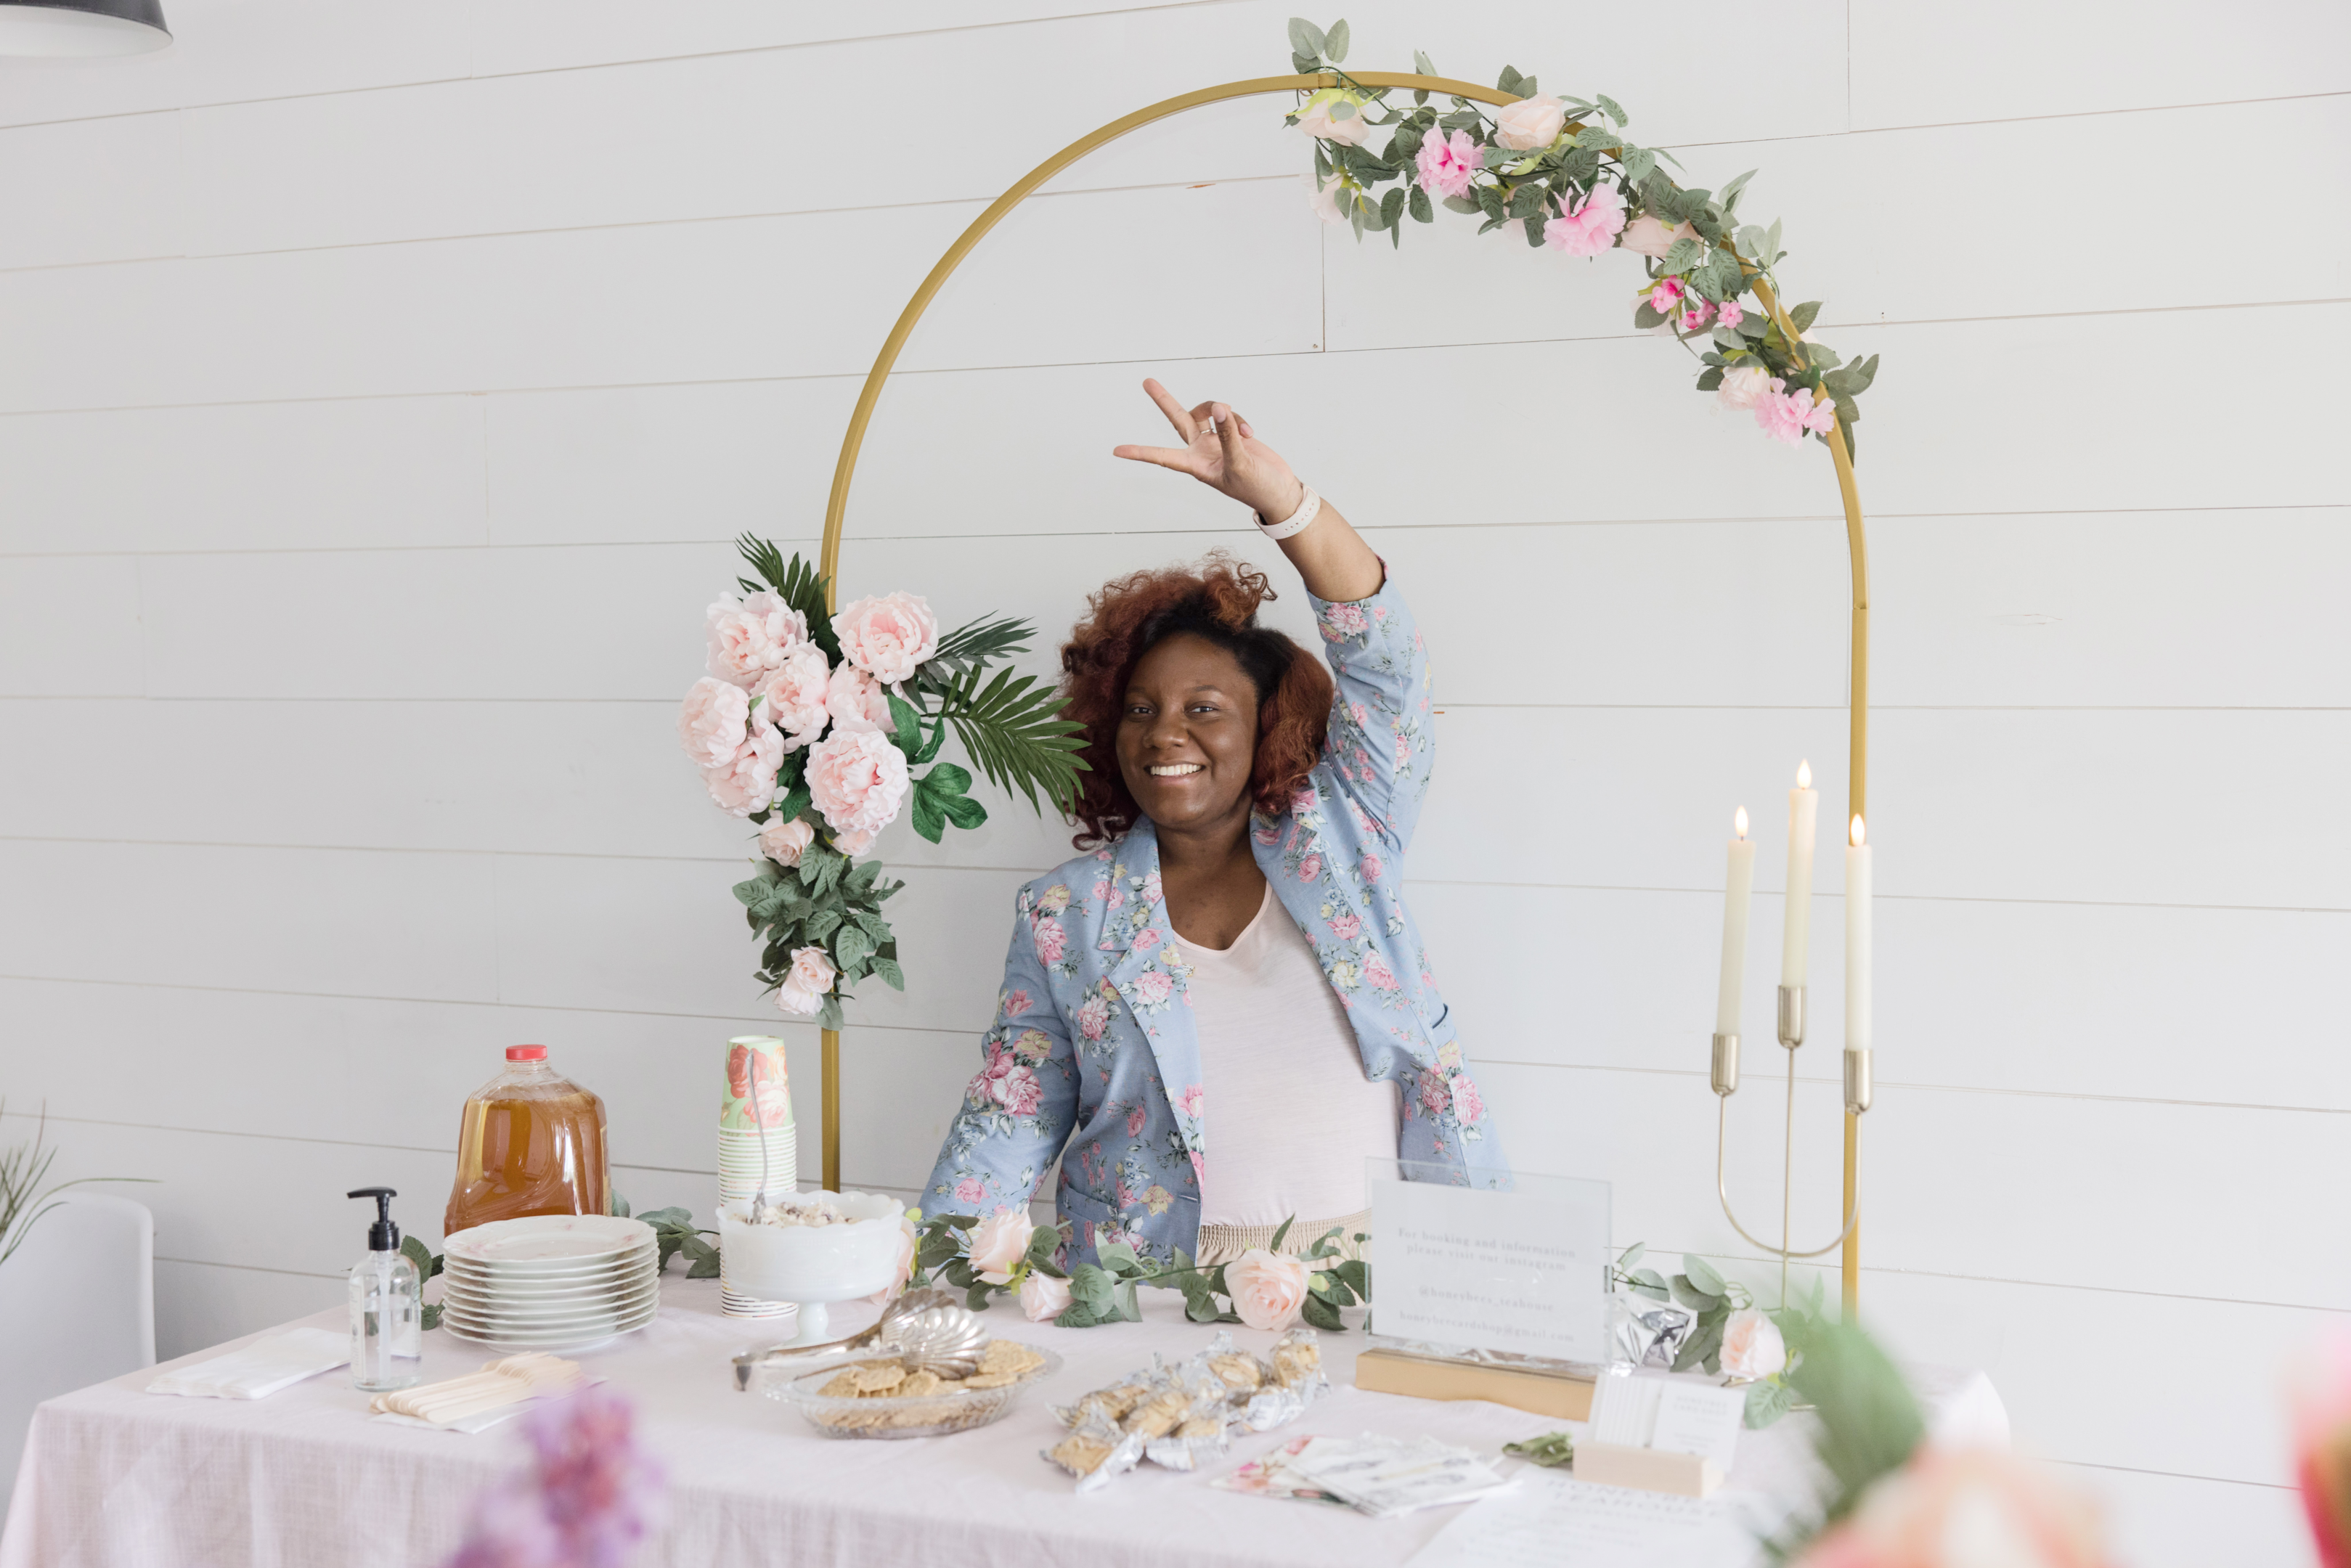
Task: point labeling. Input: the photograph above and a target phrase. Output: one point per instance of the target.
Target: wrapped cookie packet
(1179, 1415)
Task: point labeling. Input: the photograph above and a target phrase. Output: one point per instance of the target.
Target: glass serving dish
(919, 1415)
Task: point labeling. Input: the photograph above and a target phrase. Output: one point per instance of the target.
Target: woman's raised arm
(1221, 451)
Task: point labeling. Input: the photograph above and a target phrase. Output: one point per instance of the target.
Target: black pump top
(383, 1236)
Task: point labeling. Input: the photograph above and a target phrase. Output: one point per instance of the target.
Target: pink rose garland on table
(1000, 1244)
(1044, 1298)
(1269, 1289)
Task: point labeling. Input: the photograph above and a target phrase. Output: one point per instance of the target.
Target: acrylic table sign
(1497, 1276)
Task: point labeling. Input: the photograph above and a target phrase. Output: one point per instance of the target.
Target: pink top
(1294, 1118)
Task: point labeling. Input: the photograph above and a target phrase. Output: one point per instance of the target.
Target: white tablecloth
(117, 1477)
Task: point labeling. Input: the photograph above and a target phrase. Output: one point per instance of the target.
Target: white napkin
(481, 1399)
(261, 1368)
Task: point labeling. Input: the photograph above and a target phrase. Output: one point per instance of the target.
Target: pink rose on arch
(1310, 868)
(1590, 226)
(1466, 1100)
(1346, 927)
(969, 1190)
(1529, 123)
(1153, 986)
(888, 636)
(1434, 1094)
(746, 782)
(1729, 313)
(784, 841)
(1650, 238)
(1665, 294)
(858, 780)
(1446, 164)
(1791, 415)
(1052, 940)
(792, 694)
(1134, 1120)
(1371, 863)
(750, 636)
(1093, 1018)
(1746, 386)
(1145, 940)
(1376, 970)
(1316, 120)
(713, 721)
(1696, 313)
(855, 700)
(1190, 1102)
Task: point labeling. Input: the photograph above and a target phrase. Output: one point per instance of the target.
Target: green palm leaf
(796, 584)
(971, 646)
(1013, 729)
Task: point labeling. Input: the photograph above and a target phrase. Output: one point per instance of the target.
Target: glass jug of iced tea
(532, 1142)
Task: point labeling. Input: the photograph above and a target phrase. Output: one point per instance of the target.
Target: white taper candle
(1856, 940)
(1804, 817)
(1737, 887)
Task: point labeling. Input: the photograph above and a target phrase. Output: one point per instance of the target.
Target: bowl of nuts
(890, 1396)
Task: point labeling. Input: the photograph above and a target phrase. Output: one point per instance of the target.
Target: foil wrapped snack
(1647, 1332)
(1181, 1416)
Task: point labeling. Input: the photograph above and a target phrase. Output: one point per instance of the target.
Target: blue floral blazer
(1092, 1054)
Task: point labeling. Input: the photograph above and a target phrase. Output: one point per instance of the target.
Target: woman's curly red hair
(1218, 600)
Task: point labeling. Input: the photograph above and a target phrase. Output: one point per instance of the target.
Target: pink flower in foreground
(2322, 1433)
(1044, 1298)
(856, 701)
(713, 721)
(1269, 1289)
(746, 782)
(1649, 236)
(1591, 225)
(888, 636)
(1729, 313)
(858, 781)
(1789, 416)
(1447, 162)
(1665, 296)
(784, 841)
(750, 636)
(588, 1499)
(1961, 1508)
(999, 1243)
(791, 696)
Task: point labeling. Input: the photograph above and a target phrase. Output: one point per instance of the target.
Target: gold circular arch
(845, 470)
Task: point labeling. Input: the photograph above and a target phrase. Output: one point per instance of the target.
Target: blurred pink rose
(1315, 119)
(1789, 415)
(1044, 1298)
(2322, 1440)
(888, 636)
(1529, 123)
(856, 701)
(746, 783)
(999, 1243)
(1744, 387)
(1445, 164)
(1591, 225)
(1730, 313)
(1324, 199)
(783, 842)
(1751, 1345)
(1964, 1509)
(791, 696)
(1269, 1289)
(807, 981)
(907, 1239)
(858, 780)
(750, 636)
(1651, 237)
(713, 721)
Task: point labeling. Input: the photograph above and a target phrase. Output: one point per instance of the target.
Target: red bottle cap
(526, 1053)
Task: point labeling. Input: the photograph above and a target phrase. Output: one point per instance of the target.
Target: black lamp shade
(82, 28)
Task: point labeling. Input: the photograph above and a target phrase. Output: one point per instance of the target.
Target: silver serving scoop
(930, 1329)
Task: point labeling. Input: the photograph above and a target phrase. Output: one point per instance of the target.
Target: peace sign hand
(1221, 451)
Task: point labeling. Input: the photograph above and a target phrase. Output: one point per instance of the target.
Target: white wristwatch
(1308, 509)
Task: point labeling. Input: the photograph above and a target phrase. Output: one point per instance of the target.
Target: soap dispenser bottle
(387, 1306)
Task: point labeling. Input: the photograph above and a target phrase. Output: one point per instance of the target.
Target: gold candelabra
(1856, 543)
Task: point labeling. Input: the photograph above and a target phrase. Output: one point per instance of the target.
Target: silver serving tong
(758, 1120)
(930, 1329)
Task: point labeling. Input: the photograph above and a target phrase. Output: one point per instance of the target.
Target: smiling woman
(1238, 930)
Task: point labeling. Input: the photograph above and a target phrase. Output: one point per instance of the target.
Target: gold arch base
(845, 469)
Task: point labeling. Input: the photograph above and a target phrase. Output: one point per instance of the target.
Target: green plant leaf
(1552, 1449)
(1690, 1296)
(1767, 1402)
(1614, 110)
(1869, 1423)
(1319, 1313)
(797, 585)
(966, 812)
(1091, 1287)
(892, 976)
(1683, 255)
(1418, 206)
(828, 1015)
(1804, 315)
(1306, 39)
(1281, 1232)
(1117, 1257)
(928, 817)
(431, 1317)
(1730, 197)
(1701, 1274)
(1334, 42)
(1012, 728)
(1652, 1284)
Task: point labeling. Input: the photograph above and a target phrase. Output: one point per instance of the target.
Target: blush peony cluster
(858, 780)
(1447, 163)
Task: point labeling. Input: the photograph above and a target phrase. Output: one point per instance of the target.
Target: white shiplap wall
(376, 399)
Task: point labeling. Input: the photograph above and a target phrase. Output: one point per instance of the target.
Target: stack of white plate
(551, 1281)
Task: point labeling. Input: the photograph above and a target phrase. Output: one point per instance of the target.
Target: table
(115, 1477)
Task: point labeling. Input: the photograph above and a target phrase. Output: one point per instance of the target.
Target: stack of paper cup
(756, 1133)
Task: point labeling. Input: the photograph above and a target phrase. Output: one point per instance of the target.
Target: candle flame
(1803, 775)
(1740, 822)
(1859, 833)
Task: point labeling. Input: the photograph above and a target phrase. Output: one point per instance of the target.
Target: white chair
(77, 1307)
